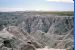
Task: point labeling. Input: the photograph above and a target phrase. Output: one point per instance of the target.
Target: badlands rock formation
(31, 31)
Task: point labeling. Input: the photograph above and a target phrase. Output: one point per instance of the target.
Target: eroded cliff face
(28, 31)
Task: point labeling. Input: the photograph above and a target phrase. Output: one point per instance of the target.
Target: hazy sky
(43, 5)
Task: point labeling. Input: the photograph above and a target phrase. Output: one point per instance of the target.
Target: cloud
(66, 1)
(11, 9)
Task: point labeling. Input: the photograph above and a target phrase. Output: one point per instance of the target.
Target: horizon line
(40, 11)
